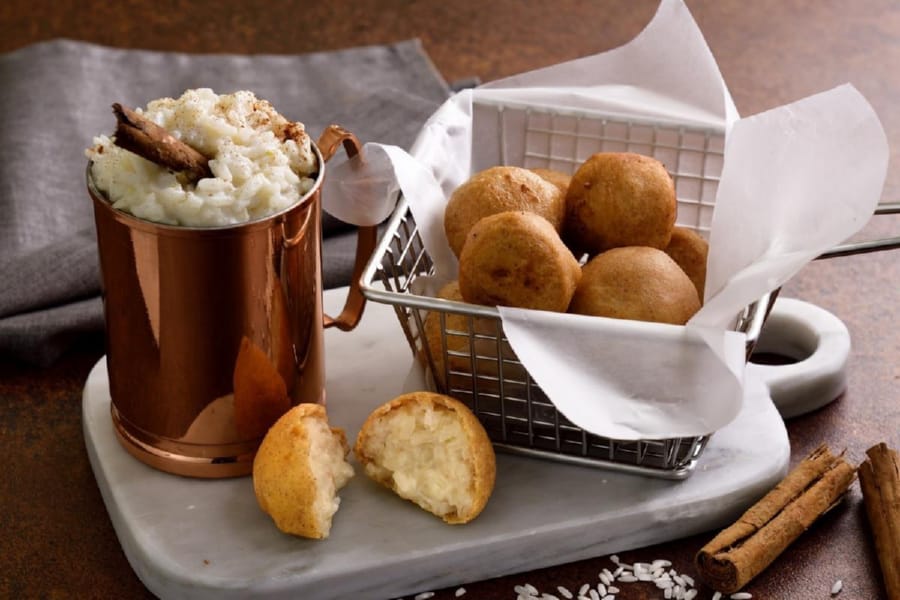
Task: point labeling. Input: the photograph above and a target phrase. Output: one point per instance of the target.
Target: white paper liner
(795, 181)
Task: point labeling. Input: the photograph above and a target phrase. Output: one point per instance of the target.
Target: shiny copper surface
(178, 302)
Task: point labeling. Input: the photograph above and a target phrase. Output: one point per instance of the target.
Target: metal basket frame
(473, 361)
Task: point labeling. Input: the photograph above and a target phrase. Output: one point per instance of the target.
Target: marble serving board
(188, 538)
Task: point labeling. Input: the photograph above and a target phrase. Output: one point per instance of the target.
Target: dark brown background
(57, 538)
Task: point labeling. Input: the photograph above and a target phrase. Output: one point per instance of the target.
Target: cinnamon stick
(879, 478)
(743, 550)
(140, 135)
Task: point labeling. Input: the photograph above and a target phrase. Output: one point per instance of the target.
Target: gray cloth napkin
(55, 96)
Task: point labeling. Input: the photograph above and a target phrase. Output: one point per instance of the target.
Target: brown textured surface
(58, 540)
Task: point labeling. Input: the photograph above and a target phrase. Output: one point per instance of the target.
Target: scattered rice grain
(661, 564)
(667, 593)
(837, 587)
(609, 597)
(460, 592)
(741, 596)
(584, 589)
(606, 579)
(601, 589)
(690, 595)
(717, 596)
(525, 590)
(546, 596)
(593, 594)
(612, 589)
(614, 558)
(424, 596)
(628, 578)
(564, 592)
(618, 572)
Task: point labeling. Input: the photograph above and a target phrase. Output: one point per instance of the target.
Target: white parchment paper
(795, 181)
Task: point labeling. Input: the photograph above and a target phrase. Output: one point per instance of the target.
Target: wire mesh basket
(463, 346)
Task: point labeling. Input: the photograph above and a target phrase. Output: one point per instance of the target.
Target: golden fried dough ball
(619, 199)
(465, 336)
(430, 449)
(558, 178)
(298, 470)
(635, 282)
(690, 251)
(458, 346)
(500, 189)
(517, 259)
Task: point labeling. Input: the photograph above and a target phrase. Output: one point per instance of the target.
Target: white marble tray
(208, 539)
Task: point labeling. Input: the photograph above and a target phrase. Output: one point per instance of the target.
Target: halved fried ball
(517, 259)
(430, 449)
(299, 469)
(496, 190)
(635, 282)
(690, 251)
(619, 199)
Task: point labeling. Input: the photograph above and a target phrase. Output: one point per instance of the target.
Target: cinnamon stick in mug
(140, 135)
(743, 550)
(879, 478)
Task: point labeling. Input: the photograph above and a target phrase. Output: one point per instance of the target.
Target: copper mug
(193, 311)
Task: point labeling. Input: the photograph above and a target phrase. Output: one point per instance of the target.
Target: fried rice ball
(690, 251)
(558, 178)
(619, 199)
(500, 189)
(431, 450)
(635, 282)
(458, 346)
(471, 343)
(299, 469)
(517, 259)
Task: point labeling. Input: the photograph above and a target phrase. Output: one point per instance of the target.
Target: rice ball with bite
(298, 471)
(431, 450)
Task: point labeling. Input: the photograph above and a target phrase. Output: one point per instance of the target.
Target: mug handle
(366, 238)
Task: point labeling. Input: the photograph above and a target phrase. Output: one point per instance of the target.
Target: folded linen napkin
(55, 96)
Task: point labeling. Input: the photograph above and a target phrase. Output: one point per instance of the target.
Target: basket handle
(891, 243)
(331, 139)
